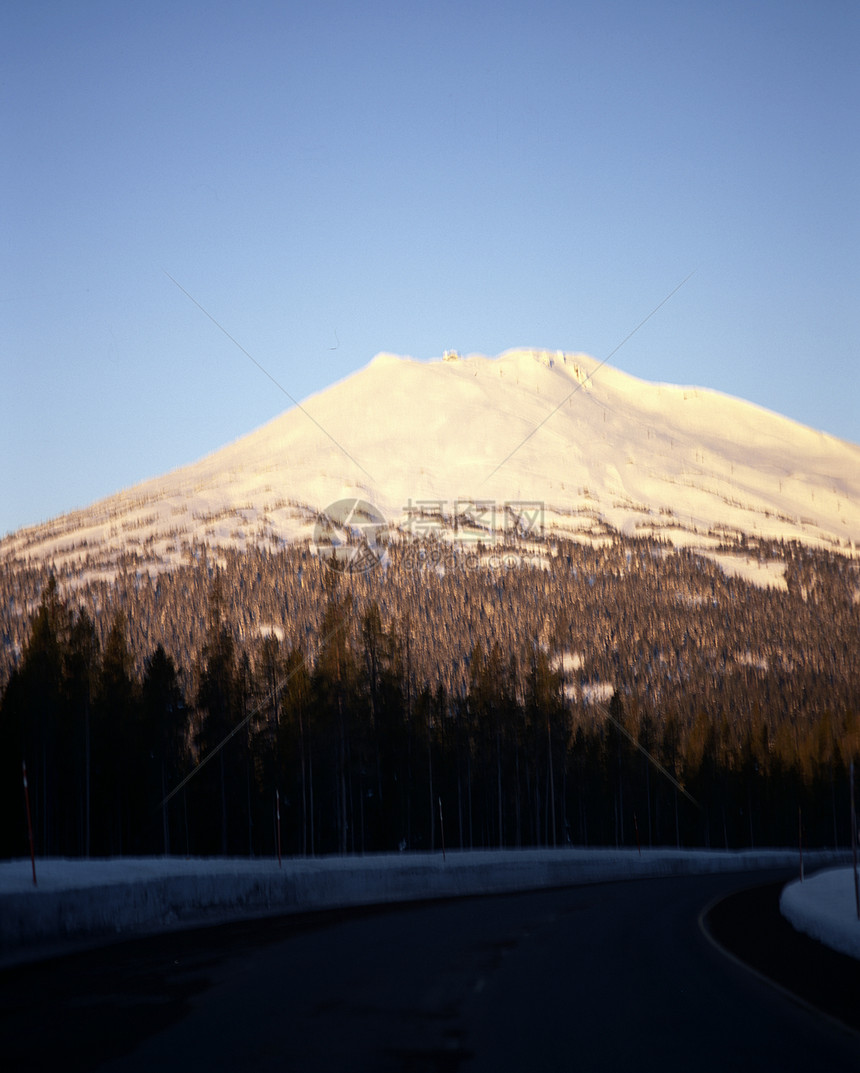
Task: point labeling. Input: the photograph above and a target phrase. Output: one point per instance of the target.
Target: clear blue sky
(334, 179)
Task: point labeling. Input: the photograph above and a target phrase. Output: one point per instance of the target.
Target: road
(615, 976)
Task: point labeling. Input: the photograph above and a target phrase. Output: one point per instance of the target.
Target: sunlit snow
(597, 449)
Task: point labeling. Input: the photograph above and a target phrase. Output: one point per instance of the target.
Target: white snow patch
(824, 906)
(568, 662)
(597, 692)
(747, 659)
(766, 573)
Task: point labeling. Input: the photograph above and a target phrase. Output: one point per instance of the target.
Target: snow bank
(824, 907)
(81, 900)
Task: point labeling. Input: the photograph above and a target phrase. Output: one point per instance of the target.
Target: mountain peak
(384, 359)
(597, 449)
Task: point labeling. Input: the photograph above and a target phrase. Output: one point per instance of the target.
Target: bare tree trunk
(311, 798)
(648, 799)
(248, 787)
(469, 789)
(551, 780)
(223, 809)
(342, 817)
(460, 803)
(302, 764)
(517, 796)
(499, 783)
(430, 774)
(87, 736)
(165, 824)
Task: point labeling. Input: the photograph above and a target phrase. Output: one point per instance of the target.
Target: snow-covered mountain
(547, 438)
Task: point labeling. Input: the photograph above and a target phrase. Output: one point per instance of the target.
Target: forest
(616, 696)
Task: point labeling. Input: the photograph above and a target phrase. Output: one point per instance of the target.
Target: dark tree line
(369, 753)
(99, 743)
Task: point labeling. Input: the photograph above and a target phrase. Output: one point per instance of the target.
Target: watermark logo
(347, 536)
(475, 520)
(465, 534)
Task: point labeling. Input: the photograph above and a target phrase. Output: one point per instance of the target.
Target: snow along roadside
(79, 900)
(825, 908)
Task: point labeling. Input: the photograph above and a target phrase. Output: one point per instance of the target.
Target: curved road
(616, 976)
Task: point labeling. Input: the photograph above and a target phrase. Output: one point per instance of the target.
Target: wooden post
(854, 841)
(278, 823)
(29, 822)
(442, 828)
(800, 839)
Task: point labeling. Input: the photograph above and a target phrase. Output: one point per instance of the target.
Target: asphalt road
(616, 976)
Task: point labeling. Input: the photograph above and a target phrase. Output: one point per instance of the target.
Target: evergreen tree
(384, 745)
(296, 738)
(119, 761)
(219, 703)
(33, 714)
(334, 688)
(82, 670)
(165, 728)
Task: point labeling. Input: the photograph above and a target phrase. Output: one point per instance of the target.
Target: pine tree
(296, 735)
(82, 669)
(33, 712)
(165, 728)
(219, 704)
(119, 761)
(334, 691)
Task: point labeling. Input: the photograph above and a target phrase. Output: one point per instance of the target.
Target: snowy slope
(597, 447)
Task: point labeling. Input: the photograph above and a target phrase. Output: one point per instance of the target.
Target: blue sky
(330, 180)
